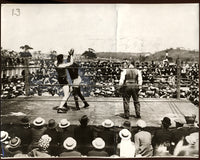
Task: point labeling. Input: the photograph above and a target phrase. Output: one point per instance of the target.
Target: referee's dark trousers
(131, 90)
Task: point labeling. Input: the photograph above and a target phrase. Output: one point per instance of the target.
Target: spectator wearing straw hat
(42, 150)
(23, 131)
(143, 140)
(98, 151)
(65, 130)
(13, 147)
(126, 148)
(84, 135)
(70, 144)
(125, 125)
(107, 133)
(163, 136)
(52, 131)
(37, 131)
(4, 142)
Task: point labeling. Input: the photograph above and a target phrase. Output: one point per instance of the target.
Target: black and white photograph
(100, 80)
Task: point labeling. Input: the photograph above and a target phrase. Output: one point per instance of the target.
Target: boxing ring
(101, 108)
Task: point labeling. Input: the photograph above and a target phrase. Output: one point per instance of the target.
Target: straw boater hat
(52, 124)
(125, 134)
(4, 136)
(39, 121)
(64, 123)
(98, 143)
(107, 123)
(69, 143)
(14, 142)
(140, 123)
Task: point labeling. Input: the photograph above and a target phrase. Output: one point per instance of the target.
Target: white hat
(4, 136)
(14, 142)
(64, 123)
(140, 123)
(107, 123)
(192, 138)
(125, 134)
(39, 121)
(69, 143)
(98, 143)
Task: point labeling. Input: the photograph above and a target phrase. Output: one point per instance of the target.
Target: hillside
(184, 55)
(121, 55)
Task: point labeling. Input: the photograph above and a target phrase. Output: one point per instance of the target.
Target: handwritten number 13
(16, 12)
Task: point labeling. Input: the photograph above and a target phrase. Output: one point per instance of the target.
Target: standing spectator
(84, 135)
(37, 131)
(143, 140)
(126, 148)
(131, 79)
(24, 133)
(42, 150)
(163, 136)
(52, 131)
(13, 147)
(98, 150)
(70, 145)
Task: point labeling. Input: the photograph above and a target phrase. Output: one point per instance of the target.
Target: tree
(26, 53)
(26, 48)
(89, 54)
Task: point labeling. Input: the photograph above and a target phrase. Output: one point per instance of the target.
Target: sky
(103, 27)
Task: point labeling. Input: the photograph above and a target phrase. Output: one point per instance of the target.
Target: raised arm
(64, 65)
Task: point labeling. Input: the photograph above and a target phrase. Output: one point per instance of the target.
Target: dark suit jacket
(98, 153)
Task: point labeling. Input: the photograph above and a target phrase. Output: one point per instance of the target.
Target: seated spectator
(161, 151)
(13, 147)
(143, 140)
(191, 125)
(64, 131)
(24, 133)
(98, 150)
(4, 142)
(52, 131)
(108, 135)
(179, 132)
(163, 136)
(84, 135)
(70, 144)
(126, 148)
(189, 146)
(37, 131)
(42, 149)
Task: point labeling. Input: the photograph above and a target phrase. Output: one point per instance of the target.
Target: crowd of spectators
(100, 77)
(38, 139)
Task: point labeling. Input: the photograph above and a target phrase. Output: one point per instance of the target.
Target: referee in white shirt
(130, 81)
